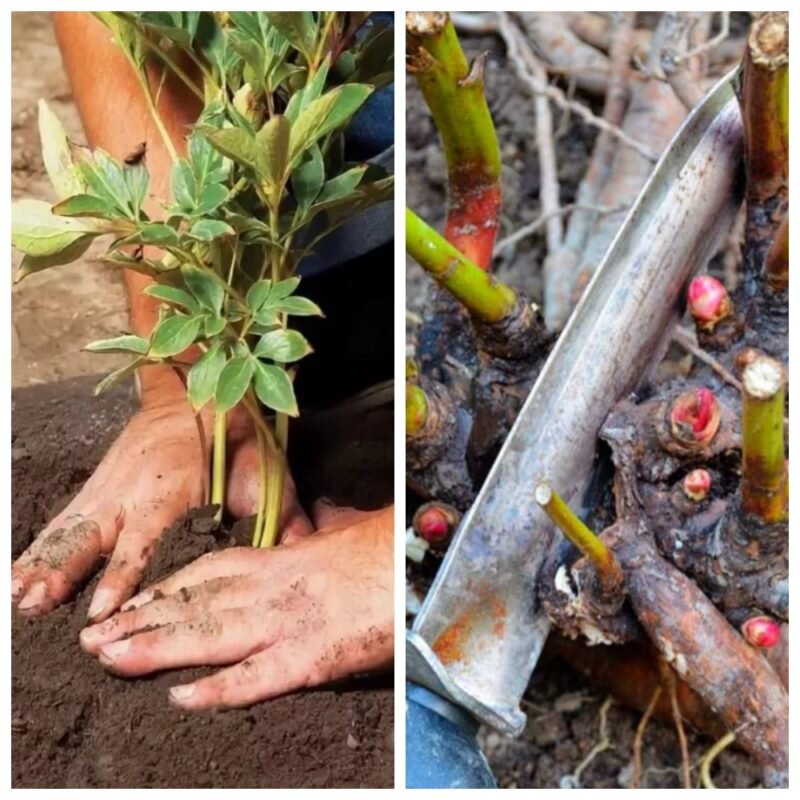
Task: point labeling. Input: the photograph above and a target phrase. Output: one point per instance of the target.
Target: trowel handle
(442, 749)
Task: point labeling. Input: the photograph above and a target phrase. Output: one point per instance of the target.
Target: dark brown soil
(563, 711)
(73, 725)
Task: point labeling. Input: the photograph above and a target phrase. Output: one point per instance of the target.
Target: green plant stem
(275, 460)
(454, 92)
(764, 486)
(263, 462)
(484, 296)
(176, 68)
(608, 569)
(218, 469)
(144, 82)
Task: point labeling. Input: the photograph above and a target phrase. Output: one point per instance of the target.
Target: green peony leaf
(118, 375)
(57, 154)
(208, 291)
(204, 375)
(173, 335)
(274, 388)
(257, 294)
(172, 295)
(206, 230)
(308, 177)
(85, 205)
(332, 109)
(236, 144)
(38, 232)
(127, 343)
(31, 264)
(272, 146)
(298, 27)
(283, 289)
(213, 325)
(297, 307)
(282, 346)
(233, 382)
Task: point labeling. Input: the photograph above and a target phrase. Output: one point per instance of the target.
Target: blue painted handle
(441, 745)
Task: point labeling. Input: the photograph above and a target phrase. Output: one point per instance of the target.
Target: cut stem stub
(605, 563)
(765, 485)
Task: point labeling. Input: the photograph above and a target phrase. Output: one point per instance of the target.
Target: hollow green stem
(765, 486)
(275, 495)
(218, 469)
(592, 547)
(484, 296)
(454, 92)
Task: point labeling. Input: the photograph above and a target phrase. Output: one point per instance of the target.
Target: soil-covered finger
(57, 561)
(213, 638)
(186, 604)
(125, 568)
(225, 563)
(285, 667)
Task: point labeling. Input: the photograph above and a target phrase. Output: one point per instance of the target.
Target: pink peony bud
(762, 632)
(436, 523)
(694, 416)
(697, 484)
(708, 302)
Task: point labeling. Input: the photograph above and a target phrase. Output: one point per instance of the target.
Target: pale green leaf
(297, 307)
(172, 295)
(274, 388)
(308, 177)
(209, 292)
(233, 382)
(272, 143)
(57, 154)
(173, 335)
(38, 232)
(203, 376)
(283, 289)
(332, 109)
(206, 230)
(127, 343)
(257, 294)
(31, 264)
(118, 375)
(282, 346)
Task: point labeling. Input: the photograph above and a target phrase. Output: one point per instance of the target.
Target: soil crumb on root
(74, 725)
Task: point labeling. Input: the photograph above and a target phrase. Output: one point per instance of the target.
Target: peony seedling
(262, 178)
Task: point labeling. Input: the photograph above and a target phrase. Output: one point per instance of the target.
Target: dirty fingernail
(16, 588)
(100, 602)
(34, 597)
(180, 693)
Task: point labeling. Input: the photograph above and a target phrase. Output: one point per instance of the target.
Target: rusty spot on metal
(487, 614)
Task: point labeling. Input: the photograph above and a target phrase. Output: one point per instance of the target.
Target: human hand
(152, 475)
(290, 617)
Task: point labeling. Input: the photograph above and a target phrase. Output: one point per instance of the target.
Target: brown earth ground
(567, 735)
